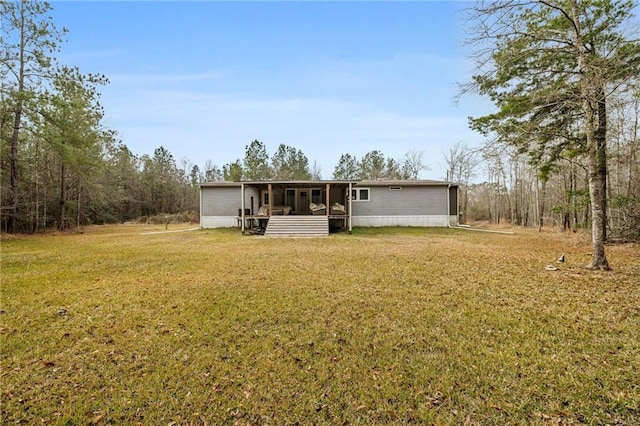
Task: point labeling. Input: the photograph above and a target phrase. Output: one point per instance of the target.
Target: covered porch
(291, 201)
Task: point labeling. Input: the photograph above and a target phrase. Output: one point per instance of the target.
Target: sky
(205, 78)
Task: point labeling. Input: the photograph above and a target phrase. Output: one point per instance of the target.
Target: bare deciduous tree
(461, 162)
(413, 164)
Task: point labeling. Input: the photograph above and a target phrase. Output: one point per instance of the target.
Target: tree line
(562, 149)
(289, 163)
(61, 167)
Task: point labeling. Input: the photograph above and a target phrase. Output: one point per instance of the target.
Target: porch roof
(291, 183)
(322, 183)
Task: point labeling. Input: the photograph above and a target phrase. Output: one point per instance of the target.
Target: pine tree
(549, 67)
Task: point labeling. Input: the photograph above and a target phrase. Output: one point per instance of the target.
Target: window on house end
(360, 194)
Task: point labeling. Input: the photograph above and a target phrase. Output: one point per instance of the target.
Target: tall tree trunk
(601, 156)
(37, 187)
(598, 183)
(574, 196)
(15, 135)
(566, 212)
(78, 206)
(597, 171)
(538, 205)
(44, 208)
(598, 214)
(63, 198)
(633, 163)
(594, 108)
(13, 191)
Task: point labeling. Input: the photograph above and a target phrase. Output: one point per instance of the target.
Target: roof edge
(381, 182)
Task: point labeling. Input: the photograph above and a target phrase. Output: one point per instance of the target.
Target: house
(280, 206)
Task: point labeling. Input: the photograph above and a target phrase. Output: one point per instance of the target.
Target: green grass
(384, 326)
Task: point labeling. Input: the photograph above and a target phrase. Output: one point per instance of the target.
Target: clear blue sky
(204, 79)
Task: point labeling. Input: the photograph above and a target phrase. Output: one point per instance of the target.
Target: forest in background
(62, 168)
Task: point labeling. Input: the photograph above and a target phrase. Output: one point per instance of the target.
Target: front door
(303, 201)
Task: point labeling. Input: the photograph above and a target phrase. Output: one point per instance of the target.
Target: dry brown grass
(384, 326)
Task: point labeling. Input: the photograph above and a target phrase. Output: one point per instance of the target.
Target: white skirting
(426, 221)
(207, 222)
(218, 222)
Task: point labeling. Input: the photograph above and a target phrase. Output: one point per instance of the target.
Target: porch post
(200, 206)
(270, 189)
(349, 198)
(327, 200)
(448, 206)
(242, 205)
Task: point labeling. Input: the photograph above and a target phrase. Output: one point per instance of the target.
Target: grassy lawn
(432, 326)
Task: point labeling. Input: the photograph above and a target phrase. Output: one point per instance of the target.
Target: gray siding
(413, 205)
(409, 201)
(223, 201)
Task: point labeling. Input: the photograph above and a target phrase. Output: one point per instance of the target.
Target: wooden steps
(297, 226)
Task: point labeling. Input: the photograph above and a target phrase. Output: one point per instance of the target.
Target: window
(360, 194)
(316, 196)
